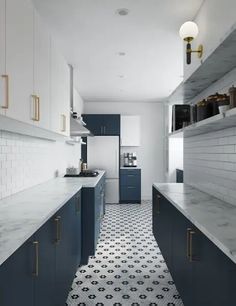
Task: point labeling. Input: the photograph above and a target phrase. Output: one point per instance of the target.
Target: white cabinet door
(60, 92)
(3, 88)
(19, 57)
(130, 131)
(41, 106)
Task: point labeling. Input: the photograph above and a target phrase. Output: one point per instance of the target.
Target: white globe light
(188, 29)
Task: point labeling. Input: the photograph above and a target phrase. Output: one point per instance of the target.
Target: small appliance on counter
(130, 159)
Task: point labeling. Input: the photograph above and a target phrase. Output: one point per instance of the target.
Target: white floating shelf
(215, 123)
(15, 126)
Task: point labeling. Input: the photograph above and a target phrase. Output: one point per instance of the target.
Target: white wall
(27, 161)
(216, 19)
(151, 152)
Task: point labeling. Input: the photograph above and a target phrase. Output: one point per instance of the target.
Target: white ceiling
(91, 34)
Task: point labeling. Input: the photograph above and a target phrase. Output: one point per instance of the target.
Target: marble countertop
(213, 217)
(23, 213)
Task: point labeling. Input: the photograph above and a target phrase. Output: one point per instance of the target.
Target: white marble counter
(213, 217)
(23, 213)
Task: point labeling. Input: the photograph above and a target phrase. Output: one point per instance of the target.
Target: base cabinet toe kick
(203, 274)
(40, 272)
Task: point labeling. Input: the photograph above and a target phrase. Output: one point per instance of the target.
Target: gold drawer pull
(36, 269)
(58, 229)
(6, 78)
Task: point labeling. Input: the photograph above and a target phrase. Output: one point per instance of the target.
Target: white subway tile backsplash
(27, 161)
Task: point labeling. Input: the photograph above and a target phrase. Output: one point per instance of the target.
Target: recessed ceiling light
(121, 76)
(121, 53)
(122, 11)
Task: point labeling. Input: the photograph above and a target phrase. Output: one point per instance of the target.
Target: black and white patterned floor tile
(128, 268)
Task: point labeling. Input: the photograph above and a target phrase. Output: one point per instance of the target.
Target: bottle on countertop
(232, 96)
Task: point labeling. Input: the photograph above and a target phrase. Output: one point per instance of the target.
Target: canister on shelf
(203, 110)
(232, 96)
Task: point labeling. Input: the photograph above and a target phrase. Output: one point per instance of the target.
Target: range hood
(77, 128)
(77, 125)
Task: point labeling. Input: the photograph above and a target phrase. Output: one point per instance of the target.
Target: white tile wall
(210, 159)
(28, 161)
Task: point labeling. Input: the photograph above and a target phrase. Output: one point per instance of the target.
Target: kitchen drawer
(130, 179)
(130, 193)
(130, 171)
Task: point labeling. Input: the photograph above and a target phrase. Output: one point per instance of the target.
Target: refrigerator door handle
(117, 162)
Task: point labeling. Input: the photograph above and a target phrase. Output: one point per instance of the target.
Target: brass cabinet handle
(63, 129)
(131, 187)
(58, 229)
(158, 204)
(6, 78)
(192, 233)
(188, 244)
(36, 268)
(36, 108)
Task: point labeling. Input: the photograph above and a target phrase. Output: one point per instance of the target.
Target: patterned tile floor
(128, 268)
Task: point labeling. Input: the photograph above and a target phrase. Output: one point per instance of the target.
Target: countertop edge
(201, 227)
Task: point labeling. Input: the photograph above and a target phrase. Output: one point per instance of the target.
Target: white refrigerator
(103, 153)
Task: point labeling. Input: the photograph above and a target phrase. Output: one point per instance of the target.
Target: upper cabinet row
(34, 84)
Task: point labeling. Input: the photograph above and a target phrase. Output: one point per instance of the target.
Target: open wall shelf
(215, 123)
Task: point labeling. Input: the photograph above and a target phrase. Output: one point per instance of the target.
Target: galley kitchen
(117, 153)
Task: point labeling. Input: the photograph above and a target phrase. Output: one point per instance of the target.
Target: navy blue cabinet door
(94, 123)
(16, 277)
(162, 225)
(181, 261)
(45, 280)
(103, 124)
(111, 125)
(64, 240)
(214, 275)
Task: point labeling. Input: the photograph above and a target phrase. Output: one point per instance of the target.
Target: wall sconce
(188, 31)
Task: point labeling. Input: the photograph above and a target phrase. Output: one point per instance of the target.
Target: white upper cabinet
(19, 58)
(3, 97)
(130, 131)
(60, 92)
(41, 115)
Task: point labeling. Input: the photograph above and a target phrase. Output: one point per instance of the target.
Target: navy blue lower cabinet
(181, 268)
(92, 214)
(16, 277)
(162, 225)
(44, 279)
(65, 240)
(203, 274)
(130, 186)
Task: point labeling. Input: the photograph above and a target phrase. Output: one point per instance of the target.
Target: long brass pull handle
(6, 78)
(188, 244)
(38, 108)
(158, 204)
(192, 233)
(58, 229)
(36, 269)
(35, 117)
